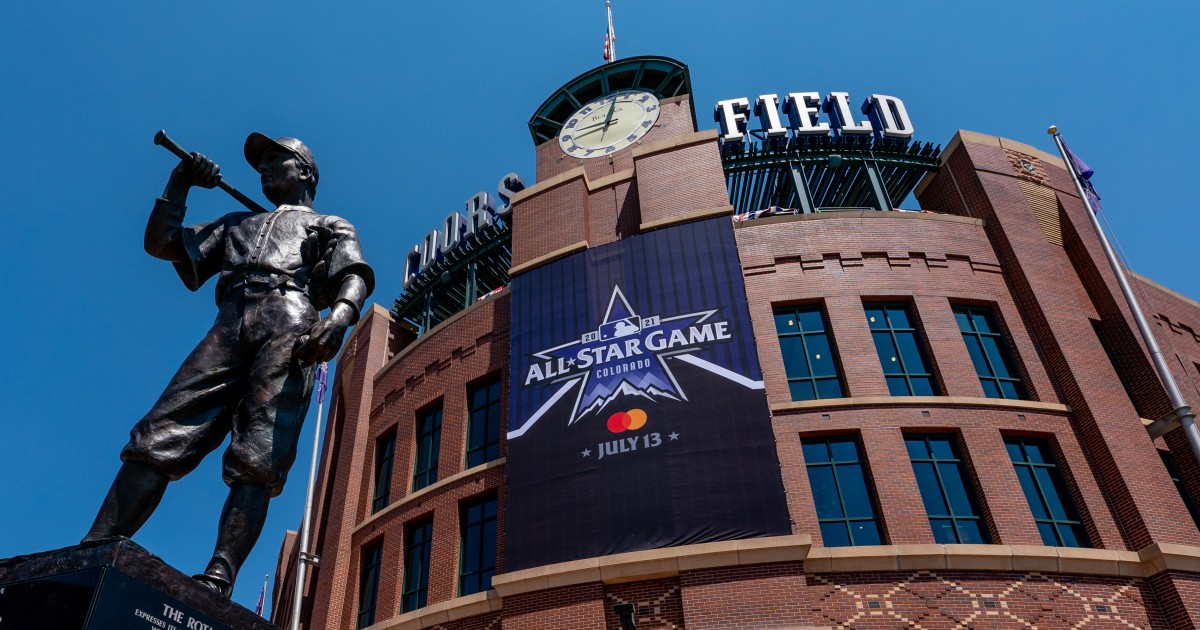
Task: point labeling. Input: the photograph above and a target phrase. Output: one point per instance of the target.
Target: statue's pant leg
(266, 427)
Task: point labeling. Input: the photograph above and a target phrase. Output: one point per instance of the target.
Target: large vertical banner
(637, 415)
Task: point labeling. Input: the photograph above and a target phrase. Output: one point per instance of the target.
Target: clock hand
(590, 126)
(594, 129)
(608, 118)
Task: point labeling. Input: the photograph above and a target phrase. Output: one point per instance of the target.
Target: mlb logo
(619, 328)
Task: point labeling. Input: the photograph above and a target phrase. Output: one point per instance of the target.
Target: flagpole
(612, 35)
(1187, 420)
(304, 558)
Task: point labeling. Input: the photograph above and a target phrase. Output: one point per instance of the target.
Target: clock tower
(618, 154)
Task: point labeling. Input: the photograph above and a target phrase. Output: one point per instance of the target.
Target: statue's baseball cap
(257, 144)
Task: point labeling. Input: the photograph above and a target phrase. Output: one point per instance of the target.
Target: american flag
(610, 38)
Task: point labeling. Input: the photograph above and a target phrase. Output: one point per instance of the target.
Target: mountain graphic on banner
(605, 396)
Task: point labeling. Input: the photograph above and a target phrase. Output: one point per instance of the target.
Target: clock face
(608, 124)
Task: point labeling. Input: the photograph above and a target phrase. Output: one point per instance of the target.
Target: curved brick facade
(1009, 234)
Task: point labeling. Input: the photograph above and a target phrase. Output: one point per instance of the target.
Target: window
(900, 349)
(417, 545)
(951, 506)
(429, 440)
(845, 507)
(1169, 462)
(989, 353)
(385, 452)
(808, 357)
(483, 422)
(1053, 511)
(368, 586)
(477, 560)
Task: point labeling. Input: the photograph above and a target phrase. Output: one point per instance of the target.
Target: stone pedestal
(111, 584)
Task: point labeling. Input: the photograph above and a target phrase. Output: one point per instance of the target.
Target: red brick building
(1040, 439)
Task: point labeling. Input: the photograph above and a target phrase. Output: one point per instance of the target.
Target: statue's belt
(268, 281)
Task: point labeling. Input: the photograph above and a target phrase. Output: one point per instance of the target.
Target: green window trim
(950, 501)
(385, 455)
(484, 417)
(368, 589)
(842, 493)
(477, 550)
(901, 349)
(429, 442)
(809, 355)
(1053, 509)
(990, 352)
(418, 543)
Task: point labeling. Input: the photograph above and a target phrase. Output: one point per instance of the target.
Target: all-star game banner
(637, 414)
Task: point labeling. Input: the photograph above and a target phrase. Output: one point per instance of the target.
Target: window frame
(919, 339)
(416, 595)
(1059, 485)
(496, 381)
(859, 461)
(381, 497)
(1003, 343)
(487, 556)
(965, 479)
(372, 567)
(826, 333)
(425, 473)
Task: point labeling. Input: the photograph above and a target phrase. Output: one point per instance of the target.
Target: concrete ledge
(674, 143)
(1102, 562)
(686, 217)
(428, 490)
(443, 612)
(920, 401)
(655, 563)
(545, 258)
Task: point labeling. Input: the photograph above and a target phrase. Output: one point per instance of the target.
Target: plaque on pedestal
(111, 584)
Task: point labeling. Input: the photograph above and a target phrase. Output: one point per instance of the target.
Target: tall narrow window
(941, 476)
(483, 422)
(989, 352)
(368, 585)
(845, 505)
(477, 557)
(808, 357)
(1053, 511)
(385, 452)
(1169, 462)
(417, 545)
(901, 350)
(429, 440)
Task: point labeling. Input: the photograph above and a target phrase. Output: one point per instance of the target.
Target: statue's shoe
(217, 584)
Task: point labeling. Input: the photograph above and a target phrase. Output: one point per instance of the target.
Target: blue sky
(410, 108)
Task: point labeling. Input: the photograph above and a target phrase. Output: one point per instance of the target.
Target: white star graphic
(587, 452)
(673, 435)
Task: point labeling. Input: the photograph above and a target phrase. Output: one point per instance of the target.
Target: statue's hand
(325, 337)
(197, 171)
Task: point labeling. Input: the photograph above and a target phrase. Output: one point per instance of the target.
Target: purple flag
(1085, 173)
(322, 378)
(262, 596)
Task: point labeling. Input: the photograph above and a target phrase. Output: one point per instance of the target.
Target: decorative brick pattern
(929, 600)
(656, 603)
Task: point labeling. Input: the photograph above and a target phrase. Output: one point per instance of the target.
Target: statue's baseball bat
(162, 140)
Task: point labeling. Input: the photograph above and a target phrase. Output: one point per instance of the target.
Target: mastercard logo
(631, 420)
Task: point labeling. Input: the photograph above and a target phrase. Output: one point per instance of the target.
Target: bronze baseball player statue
(252, 375)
